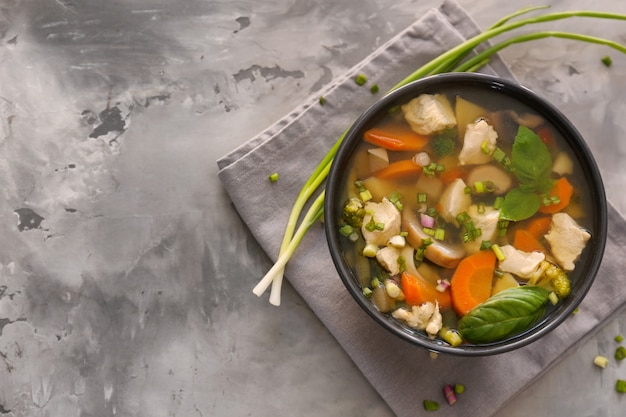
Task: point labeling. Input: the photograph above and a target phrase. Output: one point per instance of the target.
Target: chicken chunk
(454, 200)
(487, 221)
(520, 263)
(567, 240)
(476, 135)
(388, 257)
(384, 213)
(428, 113)
(423, 317)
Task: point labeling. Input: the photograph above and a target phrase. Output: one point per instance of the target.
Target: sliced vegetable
(620, 353)
(539, 226)
(396, 138)
(472, 281)
(620, 386)
(504, 314)
(417, 291)
(404, 169)
(562, 191)
(431, 405)
(525, 241)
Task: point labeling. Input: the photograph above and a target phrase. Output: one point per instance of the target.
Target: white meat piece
(386, 213)
(487, 222)
(475, 135)
(520, 263)
(428, 113)
(423, 317)
(387, 257)
(567, 240)
(454, 200)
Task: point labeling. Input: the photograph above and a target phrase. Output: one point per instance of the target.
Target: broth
(488, 196)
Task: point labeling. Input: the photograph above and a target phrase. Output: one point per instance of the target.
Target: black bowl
(586, 267)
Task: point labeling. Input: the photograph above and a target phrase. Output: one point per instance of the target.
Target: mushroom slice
(440, 253)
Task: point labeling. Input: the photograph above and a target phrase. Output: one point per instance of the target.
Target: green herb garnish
(531, 163)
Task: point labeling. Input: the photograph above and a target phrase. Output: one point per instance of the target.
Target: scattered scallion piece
(498, 252)
(322, 100)
(554, 299)
(459, 389)
(451, 336)
(601, 361)
(619, 338)
(273, 177)
(430, 405)
(620, 353)
(453, 60)
(360, 79)
(620, 386)
(374, 89)
(370, 250)
(607, 61)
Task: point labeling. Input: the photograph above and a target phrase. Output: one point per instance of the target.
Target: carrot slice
(472, 280)
(524, 240)
(417, 291)
(396, 138)
(403, 169)
(539, 226)
(563, 190)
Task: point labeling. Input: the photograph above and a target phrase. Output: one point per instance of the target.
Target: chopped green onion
(380, 226)
(375, 283)
(497, 204)
(431, 405)
(480, 207)
(273, 177)
(419, 253)
(392, 289)
(365, 195)
(401, 263)
(619, 338)
(498, 154)
(346, 230)
(432, 212)
(428, 231)
(360, 79)
(496, 249)
(371, 225)
(440, 234)
(427, 242)
(451, 336)
(479, 187)
(620, 386)
(607, 61)
(620, 353)
(322, 100)
(554, 299)
(370, 250)
(600, 361)
(576, 310)
(404, 234)
(374, 89)
(485, 244)
(467, 190)
(498, 272)
(485, 147)
(422, 197)
(367, 292)
(459, 389)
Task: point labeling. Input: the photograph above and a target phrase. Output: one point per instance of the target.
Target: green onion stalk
(454, 60)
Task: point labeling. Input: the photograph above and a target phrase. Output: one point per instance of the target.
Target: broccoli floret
(555, 278)
(444, 143)
(353, 213)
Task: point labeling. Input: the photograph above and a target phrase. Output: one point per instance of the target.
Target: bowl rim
(520, 93)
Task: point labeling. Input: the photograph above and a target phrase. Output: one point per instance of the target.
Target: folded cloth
(295, 145)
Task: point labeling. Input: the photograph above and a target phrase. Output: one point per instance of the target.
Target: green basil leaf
(531, 161)
(519, 205)
(504, 314)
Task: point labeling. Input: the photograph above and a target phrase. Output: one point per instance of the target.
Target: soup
(465, 215)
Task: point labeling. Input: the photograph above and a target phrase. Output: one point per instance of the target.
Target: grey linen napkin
(293, 147)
